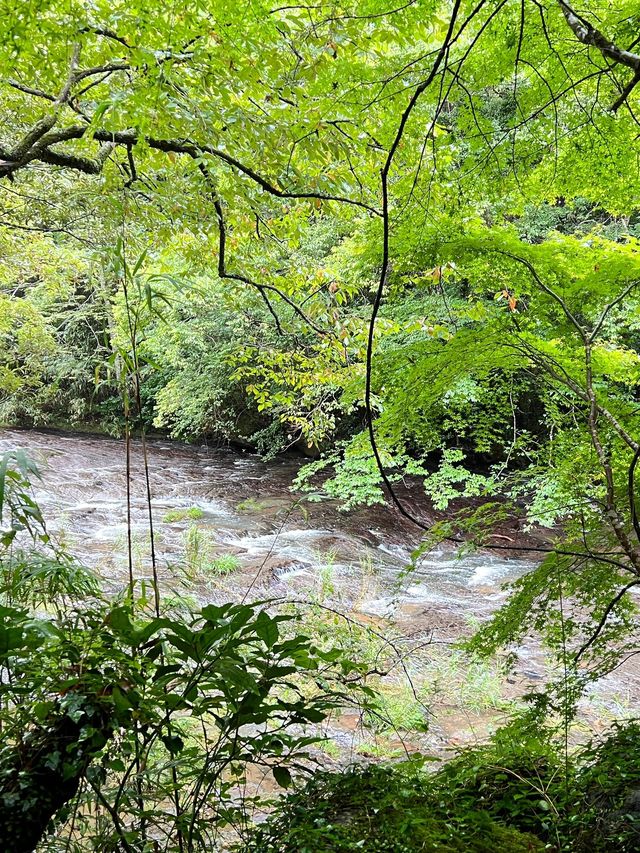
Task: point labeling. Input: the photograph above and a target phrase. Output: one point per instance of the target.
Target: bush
(519, 779)
(606, 812)
(381, 810)
(117, 728)
(518, 793)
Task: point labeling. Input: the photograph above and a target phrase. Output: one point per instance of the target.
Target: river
(281, 545)
(285, 545)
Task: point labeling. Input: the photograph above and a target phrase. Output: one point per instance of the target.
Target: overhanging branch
(588, 35)
(37, 144)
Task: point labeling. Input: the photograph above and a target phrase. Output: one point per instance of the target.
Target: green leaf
(267, 629)
(282, 776)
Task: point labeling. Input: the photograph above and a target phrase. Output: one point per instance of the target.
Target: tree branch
(603, 619)
(587, 34)
(63, 97)
(106, 33)
(262, 288)
(224, 273)
(35, 146)
(30, 91)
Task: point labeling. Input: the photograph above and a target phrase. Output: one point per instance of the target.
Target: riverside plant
(192, 513)
(325, 571)
(119, 727)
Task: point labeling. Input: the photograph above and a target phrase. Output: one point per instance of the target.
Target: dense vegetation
(403, 240)
(514, 795)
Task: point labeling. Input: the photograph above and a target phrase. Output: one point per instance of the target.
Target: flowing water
(286, 545)
(283, 545)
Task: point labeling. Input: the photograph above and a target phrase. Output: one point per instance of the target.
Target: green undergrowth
(520, 792)
(250, 505)
(224, 564)
(200, 558)
(381, 810)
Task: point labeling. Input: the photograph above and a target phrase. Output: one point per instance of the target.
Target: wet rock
(532, 675)
(275, 568)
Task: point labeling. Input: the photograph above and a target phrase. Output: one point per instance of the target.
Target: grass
(330, 747)
(457, 679)
(325, 573)
(368, 582)
(399, 710)
(180, 604)
(193, 513)
(380, 749)
(224, 564)
(198, 557)
(196, 546)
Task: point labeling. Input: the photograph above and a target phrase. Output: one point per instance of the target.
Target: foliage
(154, 720)
(208, 698)
(606, 816)
(402, 239)
(34, 569)
(380, 809)
(519, 792)
(520, 779)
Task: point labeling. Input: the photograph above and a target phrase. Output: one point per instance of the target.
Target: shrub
(605, 815)
(381, 810)
(519, 779)
(224, 564)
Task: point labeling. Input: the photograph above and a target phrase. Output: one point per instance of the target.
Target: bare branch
(28, 90)
(548, 290)
(23, 149)
(386, 259)
(108, 68)
(628, 89)
(632, 495)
